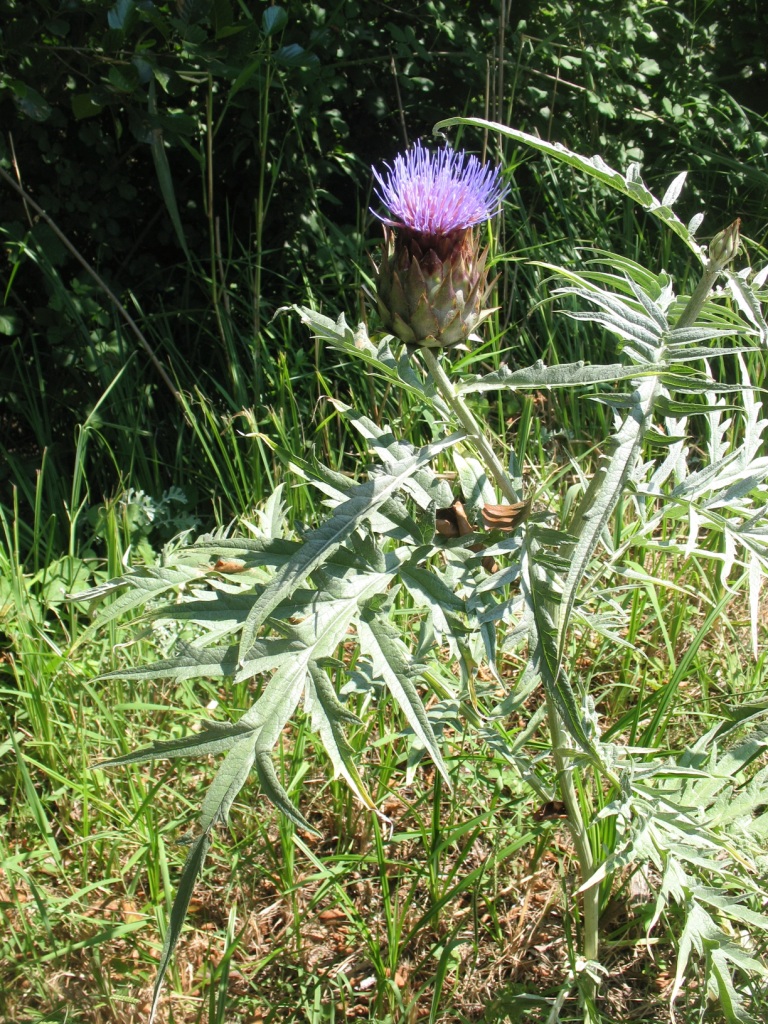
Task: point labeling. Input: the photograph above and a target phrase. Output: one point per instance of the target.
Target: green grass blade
(193, 865)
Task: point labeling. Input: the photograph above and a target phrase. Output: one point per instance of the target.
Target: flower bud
(725, 245)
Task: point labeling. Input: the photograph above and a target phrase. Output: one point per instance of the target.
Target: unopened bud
(725, 245)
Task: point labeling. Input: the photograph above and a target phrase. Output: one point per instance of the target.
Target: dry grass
(308, 947)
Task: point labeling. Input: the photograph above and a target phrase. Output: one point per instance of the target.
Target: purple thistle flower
(432, 282)
(437, 193)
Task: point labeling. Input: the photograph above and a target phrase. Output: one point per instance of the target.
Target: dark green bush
(210, 160)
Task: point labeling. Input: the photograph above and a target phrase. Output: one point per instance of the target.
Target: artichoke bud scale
(431, 288)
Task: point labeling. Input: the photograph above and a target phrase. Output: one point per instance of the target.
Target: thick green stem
(560, 743)
(701, 291)
(470, 424)
(591, 896)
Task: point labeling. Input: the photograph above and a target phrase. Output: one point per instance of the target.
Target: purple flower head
(437, 193)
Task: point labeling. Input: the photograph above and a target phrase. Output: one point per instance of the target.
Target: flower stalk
(474, 431)
(559, 736)
(432, 290)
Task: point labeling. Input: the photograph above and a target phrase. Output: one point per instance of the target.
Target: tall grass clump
(547, 613)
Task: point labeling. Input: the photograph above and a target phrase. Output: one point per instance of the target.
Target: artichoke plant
(432, 283)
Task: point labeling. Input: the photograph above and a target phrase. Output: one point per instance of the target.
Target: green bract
(432, 288)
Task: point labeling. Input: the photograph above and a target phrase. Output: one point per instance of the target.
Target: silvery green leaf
(619, 316)
(145, 584)
(429, 590)
(658, 287)
(594, 167)
(731, 496)
(680, 337)
(609, 626)
(317, 628)
(687, 354)
(390, 658)
(749, 304)
(219, 613)
(273, 516)
(675, 462)
(543, 592)
(694, 525)
(225, 787)
(737, 758)
(635, 347)
(599, 501)
(652, 309)
(498, 581)
(738, 809)
(674, 189)
(336, 485)
(254, 551)
(728, 997)
(193, 866)
(565, 375)
(215, 738)
(228, 781)
(357, 345)
(363, 500)
(424, 486)
(698, 926)
(475, 485)
(733, 907)
(444, 713)
(325, 328)
(391, 518)
(110, 587)
(276, 793)
(191, 663)
(328, 715)
(695, 223)
(267, 654)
